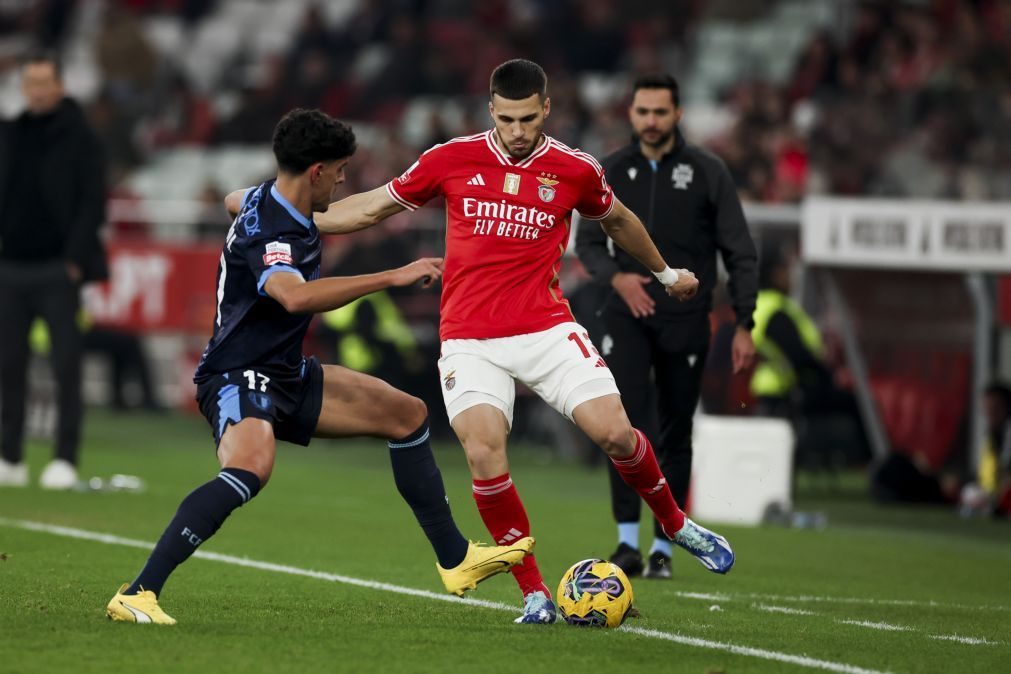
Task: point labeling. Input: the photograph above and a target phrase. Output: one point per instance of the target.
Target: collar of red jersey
(492, 140)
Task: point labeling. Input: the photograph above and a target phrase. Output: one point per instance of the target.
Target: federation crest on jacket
(682, 176)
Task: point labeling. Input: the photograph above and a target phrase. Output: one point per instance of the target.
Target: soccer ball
(594, 593)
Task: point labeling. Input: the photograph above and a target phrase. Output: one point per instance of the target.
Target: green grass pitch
(880, 590)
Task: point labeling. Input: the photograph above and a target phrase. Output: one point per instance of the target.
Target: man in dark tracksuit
(52, 202)
(686, 198)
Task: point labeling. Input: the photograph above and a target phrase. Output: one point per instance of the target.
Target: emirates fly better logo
(501, 218)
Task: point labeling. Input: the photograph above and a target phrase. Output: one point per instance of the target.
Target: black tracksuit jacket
(690, 208)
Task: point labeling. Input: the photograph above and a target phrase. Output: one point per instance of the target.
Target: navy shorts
(289, 399)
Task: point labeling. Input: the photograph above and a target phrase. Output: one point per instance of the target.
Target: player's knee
(259, 465)
(617, 440)
(485, 460)
(411, 414)
(417, 412)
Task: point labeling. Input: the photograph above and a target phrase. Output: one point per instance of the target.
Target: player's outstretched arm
(357, 212)
(299, 296)
(625, 228)
(233, 202)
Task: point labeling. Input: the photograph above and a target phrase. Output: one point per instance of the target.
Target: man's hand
(428, 270)
(686, 287)
(630, 287)
(742, 350)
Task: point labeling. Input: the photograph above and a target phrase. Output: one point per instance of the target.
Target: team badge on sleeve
(278, 253)
(406, 175)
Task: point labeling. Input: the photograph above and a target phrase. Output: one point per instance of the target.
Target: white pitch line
(801, 660)
(782, 609)
(705, 596)
(109, 539)
(815, 599)
(972, 641)
(887, 627)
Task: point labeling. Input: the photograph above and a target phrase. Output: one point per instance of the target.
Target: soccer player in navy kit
(255, 386)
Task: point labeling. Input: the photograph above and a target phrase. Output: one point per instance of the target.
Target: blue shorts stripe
(228, 407)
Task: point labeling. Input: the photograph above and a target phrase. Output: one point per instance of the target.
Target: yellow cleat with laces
(138, 608)
(482, 562)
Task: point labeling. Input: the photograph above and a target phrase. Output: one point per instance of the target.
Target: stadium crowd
(911, 99)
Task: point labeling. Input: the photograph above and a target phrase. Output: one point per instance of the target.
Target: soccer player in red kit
(510, 193)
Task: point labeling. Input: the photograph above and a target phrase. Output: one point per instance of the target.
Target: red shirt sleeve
(596, 199)
(420, 183)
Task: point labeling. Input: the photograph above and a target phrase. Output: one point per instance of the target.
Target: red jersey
(507, 227)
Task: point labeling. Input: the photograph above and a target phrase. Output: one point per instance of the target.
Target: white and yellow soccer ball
(594, 593)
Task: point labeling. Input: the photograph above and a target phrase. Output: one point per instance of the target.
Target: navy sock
(420, 484)
(200, 514)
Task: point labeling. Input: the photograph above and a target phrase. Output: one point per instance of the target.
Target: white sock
(661, 545)
(628, 533)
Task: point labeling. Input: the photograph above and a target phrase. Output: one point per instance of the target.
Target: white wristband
(668, 276)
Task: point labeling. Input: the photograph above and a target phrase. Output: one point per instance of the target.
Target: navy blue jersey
(251, 328)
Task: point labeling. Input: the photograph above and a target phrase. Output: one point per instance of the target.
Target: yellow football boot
(483, 562)
(137, 608)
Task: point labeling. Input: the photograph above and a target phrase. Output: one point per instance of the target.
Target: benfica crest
(547, 189)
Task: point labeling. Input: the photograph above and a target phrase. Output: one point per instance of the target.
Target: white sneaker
(59, 474)
(13, 474)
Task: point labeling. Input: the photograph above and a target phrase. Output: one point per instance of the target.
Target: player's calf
(419, 482)
(199, 516)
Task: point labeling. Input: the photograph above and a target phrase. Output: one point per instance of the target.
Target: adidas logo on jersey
(476, 180)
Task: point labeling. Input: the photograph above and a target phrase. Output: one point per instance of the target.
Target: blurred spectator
(128, 362)
(816, 73)
(129, 63)
(114, 130)
(991, 492)
(53, 203)
(213, 222)
(183, 118)
(792, 378)
(596, 41)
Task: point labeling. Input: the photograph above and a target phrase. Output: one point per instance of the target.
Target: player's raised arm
(299, 296)
(625, 228)
(357, 212)
(233, 202)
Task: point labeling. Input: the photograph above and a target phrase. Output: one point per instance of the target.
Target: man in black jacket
(52, 203)
(686, 198)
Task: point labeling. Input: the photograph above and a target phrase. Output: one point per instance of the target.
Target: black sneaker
(628, 559)
(659, 566)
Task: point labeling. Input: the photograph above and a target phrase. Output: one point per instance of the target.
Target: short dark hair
(304, 137)
(43, 55)
(519, 79)
(659, 81)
